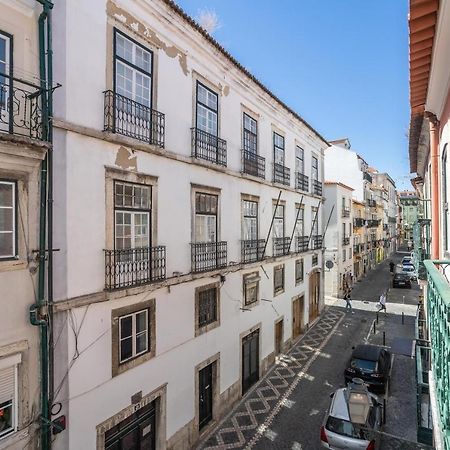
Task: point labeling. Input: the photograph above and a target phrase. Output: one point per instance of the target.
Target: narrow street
(286, 408)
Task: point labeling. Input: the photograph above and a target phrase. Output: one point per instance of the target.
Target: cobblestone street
(285, 409)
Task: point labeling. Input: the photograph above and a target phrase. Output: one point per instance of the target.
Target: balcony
(357, 248)
(208, 256)
(345, 212)
(301, 244)
(281, 174)
(358, 222)
(373, 223)
(252, 250)
(345, 241)
(281, 246)
(438, 311)
(208, 147)
(21, 108)
(371, 203)
(252, 164)
(132, 119)
(301, 182)
(316, 188)
(367, 177)
(134, 266)
(317, 242)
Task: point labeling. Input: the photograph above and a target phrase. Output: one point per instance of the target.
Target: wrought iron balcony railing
(252, 250)
(373, 223)
(281, 246)
(253, 164)
(438, 311)
(21, 105)
(317, 242)
(301, 182)
(345, 212)
(358, 222)
(133, 119)
(134, 266)
(316, 187)
(208, 147)
(345, 241)
(281, 174)
(371, 203)
(208, 256)
(367, 177)
(301, 244)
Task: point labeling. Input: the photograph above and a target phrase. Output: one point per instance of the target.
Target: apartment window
(349, 253)
(250, 220)
(315, 259)
(251, 288)
(134, 337)
(300, 222)
(8, 221)
(206, 217)
(343, 254)
(132, 212)
(8, 394)
(278, 149)
(5, 70)
(299, 160)
(299, 269)
(343, 231)
(207, 110)
(250, 137)
(133, 80)
(207, 307)
(278, 223)
(278, 279)
(315, 168)
(315, 221)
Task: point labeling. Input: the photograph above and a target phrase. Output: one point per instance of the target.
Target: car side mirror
(332, 395)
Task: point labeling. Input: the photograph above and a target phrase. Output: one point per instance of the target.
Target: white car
(409, 270)
(407, 260)
(337, 432)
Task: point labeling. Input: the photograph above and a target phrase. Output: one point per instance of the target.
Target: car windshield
(363, 364)
(344, 428)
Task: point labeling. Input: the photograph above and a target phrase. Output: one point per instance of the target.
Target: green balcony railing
(438, 324)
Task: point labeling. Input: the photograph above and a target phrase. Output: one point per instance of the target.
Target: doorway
(297, 316)
(278, 337)
(205, 395)
(314, 295)
(250, 360)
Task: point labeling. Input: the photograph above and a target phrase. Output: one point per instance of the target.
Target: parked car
(407, 260)
(372, 364)
(338, 432)
(401, 280)
(410, 271)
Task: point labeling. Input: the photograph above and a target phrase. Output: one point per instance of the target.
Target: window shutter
(7, 382)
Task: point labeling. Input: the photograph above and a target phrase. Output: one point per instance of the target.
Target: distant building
(409, 202)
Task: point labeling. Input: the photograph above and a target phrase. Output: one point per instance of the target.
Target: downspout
(435, 194)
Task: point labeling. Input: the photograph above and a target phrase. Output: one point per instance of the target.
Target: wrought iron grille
(130, 118)
(371, 203)
(252, 164)
(208, 147)
(207, 307)
(373, 223)
(345, 241)
(208, 256)
(301, 244)
(21, 108)
(134, 266)
(317, 242)
(346, 212)
(301, 182)
(252, 250)
(316, 187)
(358, 222)
(281, 246)
(281, 174)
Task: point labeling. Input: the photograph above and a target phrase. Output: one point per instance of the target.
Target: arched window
(444, 199)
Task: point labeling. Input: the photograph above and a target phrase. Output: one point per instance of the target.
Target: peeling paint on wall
(126, 159)
(146, 33)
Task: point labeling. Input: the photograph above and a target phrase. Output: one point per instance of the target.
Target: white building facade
(338, 239)
(189, 222)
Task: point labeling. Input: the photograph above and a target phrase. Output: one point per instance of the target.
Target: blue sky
(341, 64)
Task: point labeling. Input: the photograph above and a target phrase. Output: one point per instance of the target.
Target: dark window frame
(244, 216)
(245, 131)
(15, 221)
(197, 102)
(209, 309)
(299, 279)
(201, 327)
(278, 289)
(279, 148)
(302, 158)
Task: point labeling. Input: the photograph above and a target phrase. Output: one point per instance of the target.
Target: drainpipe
(435, 194)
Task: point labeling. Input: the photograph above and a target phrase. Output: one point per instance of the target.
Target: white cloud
(208, 19)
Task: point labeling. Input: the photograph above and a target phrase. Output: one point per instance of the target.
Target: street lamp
(358, 401)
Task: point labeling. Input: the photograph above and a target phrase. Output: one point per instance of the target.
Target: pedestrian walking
(391, 267)
(382, 302)
(348, 302)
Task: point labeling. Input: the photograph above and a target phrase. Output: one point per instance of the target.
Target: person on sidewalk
(382, 302)
(348, 302)
(391, 267)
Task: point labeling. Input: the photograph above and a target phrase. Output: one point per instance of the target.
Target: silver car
(337, 432)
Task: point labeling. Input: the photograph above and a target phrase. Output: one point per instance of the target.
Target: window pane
(205, 228)
(143, 59)
(6, 244)
(126, 348)
(6, 219)
(126, 326)
(142, 342)
(6, 194)
(141, 321)
(6, 417)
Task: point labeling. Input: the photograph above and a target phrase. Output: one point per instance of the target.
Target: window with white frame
(133, 69)
(315, 221)
(250, 137)
(299, 271)
(278, 222)
(299, 160)
(9, 394)
(278, 279)
(205, 217)
(132, 215)
(314, 168)
(300, 223)
(278, 149)
(134, 336)
(207, 110)
(249, 220)
(8, 221)
(5, 70)
(251, 288)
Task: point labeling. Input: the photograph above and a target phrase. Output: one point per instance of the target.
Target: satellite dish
(329, 264)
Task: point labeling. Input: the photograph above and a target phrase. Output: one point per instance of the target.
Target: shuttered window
(8, 394)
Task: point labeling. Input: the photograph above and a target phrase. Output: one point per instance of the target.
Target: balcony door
(315, 169)
(133, 87)
(5, 73)
(299, 160)
(205, 217)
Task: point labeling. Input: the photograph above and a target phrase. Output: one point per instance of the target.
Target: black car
(401, 280)
(372, 364)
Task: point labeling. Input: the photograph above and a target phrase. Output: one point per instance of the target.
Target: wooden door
(278, 337)
(297, 317)
(250, 360)
(205, 394)
(314, 295)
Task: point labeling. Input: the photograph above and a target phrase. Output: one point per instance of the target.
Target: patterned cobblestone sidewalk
(250, 419)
